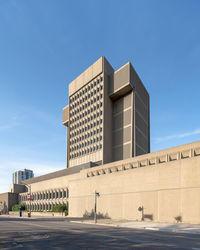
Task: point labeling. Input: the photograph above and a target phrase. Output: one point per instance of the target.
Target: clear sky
(45, 44)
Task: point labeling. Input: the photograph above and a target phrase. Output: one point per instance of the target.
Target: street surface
(59, 233)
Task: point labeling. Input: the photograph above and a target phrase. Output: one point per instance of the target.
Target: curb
(115, 225)
(135, 227)
(92, 223)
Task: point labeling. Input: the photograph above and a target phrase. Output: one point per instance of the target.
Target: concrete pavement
(148, 225)
(60, 233)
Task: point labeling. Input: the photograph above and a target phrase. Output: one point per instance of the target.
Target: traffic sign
(28, 196)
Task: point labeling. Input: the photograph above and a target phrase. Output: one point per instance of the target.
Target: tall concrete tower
(107, 117)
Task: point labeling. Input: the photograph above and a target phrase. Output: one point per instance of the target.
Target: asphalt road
(59, 233)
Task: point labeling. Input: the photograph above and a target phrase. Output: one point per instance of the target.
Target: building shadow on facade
(90, 215)
(4, 208)
(148, 217)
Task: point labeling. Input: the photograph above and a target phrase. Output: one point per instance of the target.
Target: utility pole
(96, 194)
(30, 202)
(29, 198)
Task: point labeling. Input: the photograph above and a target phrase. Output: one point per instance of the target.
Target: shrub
(22, 206)
(59, 208)
(16, 207)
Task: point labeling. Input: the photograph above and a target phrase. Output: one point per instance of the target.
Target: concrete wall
(94, 70)
(107, 121)
(17, 188)
(165, 183)
(122, 128)
(66, 115)
(7, 200)
(141, 116)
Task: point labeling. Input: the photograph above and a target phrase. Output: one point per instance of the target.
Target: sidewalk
(154, 226)
(147, 225)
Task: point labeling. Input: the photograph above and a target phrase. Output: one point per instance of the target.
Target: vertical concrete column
(62, 193)
(67, 193)
(157, 160)
(58, 193)
(191, 152)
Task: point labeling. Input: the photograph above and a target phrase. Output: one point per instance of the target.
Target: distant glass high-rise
(22, 175)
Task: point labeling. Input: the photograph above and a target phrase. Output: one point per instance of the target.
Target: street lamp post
(96, 194)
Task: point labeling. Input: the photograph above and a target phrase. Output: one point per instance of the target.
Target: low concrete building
(7, 200)
(165, 183)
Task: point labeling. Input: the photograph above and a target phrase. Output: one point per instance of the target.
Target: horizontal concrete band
(179, 155)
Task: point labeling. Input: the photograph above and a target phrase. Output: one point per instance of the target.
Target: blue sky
(45, 44)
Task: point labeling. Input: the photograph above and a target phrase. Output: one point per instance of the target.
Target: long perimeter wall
(166, 183)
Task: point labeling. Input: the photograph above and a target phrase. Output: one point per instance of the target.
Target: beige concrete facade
(166, 183)
(107, 116)
(7, 200)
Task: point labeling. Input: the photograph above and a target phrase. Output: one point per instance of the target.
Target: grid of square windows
(86, 118)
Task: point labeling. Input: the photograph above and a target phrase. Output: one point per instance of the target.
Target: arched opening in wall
(64, 194)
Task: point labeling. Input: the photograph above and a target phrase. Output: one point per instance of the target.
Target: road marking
(152, 228)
